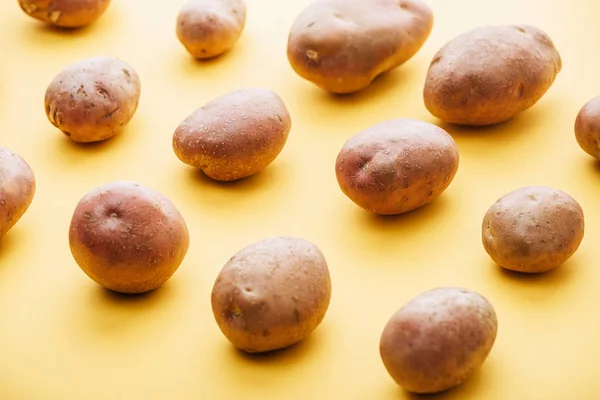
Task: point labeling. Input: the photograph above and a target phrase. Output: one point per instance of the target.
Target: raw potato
(17, 188)
(489, 74)
(272, 294)
(128, 238)
(438, 339)
(533, 229)
(208, 28)
(93, 99)
(587, 127)
(397, 166)
(234, 136)
(65, 13)
(343, 45)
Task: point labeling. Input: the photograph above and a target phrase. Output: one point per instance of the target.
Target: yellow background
(62, 337)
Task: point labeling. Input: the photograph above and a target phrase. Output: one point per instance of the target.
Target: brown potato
(93, 99)
(17, 188)
(397, 166)
(438, 339)
(208, 28)
(533, 229)
(343, 45)
(272, 294)
(128, 238)
(65, 13)
(587, 127)
(234, 136)
(489, 74)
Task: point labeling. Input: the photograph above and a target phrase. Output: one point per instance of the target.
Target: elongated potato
(343, 45)
(65, 13)
(489, 74)
(17, 188)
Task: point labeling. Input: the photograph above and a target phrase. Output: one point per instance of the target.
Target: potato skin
(234, 136)
(489, 74)
(128, 238)
(343, 45)
(93, 99)
(17, 188)
(587, 127)
(209, 28)
(397, 166)
(438, 339)
(533, 229)
(65, 13)
(272, 294)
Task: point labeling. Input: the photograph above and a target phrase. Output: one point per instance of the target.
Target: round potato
(93, 99)
(489, 74)
(208, 28)
(272, 294)
(234, 136)
(65, 13)
(128, 238)
(397, 166)
(587, 127)
(343, 45)
(533, 229)
(438, 339)
(17, 188)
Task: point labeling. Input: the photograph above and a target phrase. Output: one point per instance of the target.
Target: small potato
(272, 294)
(587, 127)
(234, 136)
(65, 13)
(128, 238)
(489, 74)
(343, 45)
(438, 340)
(533, 229)
(17, 188)
(208, 28)
(397, 166)
(93, 99)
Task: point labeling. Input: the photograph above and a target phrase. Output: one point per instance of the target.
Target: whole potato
(343, 45)
(397, 166)
(17, 188)
(234, 136)
(587, 127)
(438, 340)
(489, 74)
(208, 28)
(65, 13)
(93, 99)
(272, 294)
(128, 238)
(533, 229)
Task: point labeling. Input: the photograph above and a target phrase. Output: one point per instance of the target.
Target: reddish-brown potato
(272, 294)
(397, 166)
(65, 13)
(128, 238)
(17, 188)
(587, 127)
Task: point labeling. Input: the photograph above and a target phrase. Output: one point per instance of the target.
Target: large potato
(343, 45)
(93, 99)
(65, 13)
(235, 135)
(533, 229)
(489, 74)
(17, 188)
(272, 294)
(208, 28)
(587, 127)
(438, 339)
(397, 166)
(128, 238)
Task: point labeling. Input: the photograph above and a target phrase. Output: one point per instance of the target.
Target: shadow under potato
(288, 355)
(559, 274)
(250, 183)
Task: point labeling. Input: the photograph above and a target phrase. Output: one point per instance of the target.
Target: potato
(343, 45)
(93, 99)
(234, 136)
(272, 294)
(439, 339)
(397, 166)
(208, 28)
(17, 188)
(587, 127)
(65, 13)
(533, 229)
(490, 74)
(128, 238)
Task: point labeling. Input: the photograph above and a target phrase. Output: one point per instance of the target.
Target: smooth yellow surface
(64, 338)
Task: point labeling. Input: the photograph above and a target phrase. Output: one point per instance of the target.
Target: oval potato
(17, 188)
(587, 127)
(65, 13)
